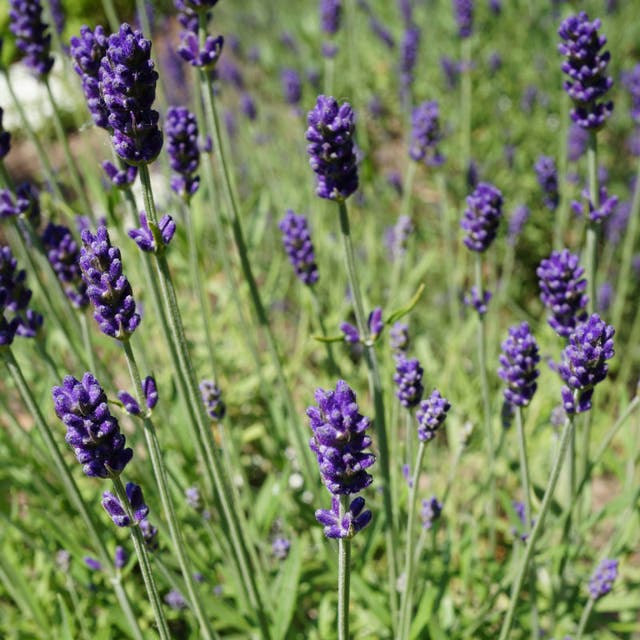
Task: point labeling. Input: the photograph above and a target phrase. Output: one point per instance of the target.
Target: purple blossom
(523, 532)
(23, 202)
(431, 415)
(408, 378)
(480, 304)
(330, 14)
(605, 296)
(175, 600)
(463, 12)
(193, 497)
(517, 221)
(399, 337)
(351, 333)
(451, 72)
(129, 403)
(601, 582)
(299, 247)
(120, 178)
(353, 520)
(25, 22)
(430, 512)
(577, 142)
(150, 392)
(607, 206)
(205, 57)
(120, 557)
(409, 54)
(92, 563)
(519, 365)
(181, 129)
(153, 239)
(212, 400)
(383, 34)
(482, 217)
(616, 224)
(291, 86)
(229, 73)
(118, 513)
(280, 548)
(248, 106)
(426, 134)
(547, 175)
(149, 534)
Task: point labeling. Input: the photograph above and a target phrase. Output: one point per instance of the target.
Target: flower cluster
(431, 414)
(585, 67)
(562, 290)
(25, 22)
(482, 217)
(127, 82)
(408, 378)
(330, 14)
(606, 208)
(204, 57)
(430, 512)
(120, 178)
(426, 134)
(331, 153)
(518, 365)
(24, 202)
(297, 243)
(181, 129)
(584, 362)
(63, 253)
(118, 513)
(463, 11)
(478, 302)
(375, 325)
(409, 54)
(547, 175)
(212, 400)
(152, 240)
(93, 433)
(291, 86)
(107, 287)
(399, 337)
(601, 582)
(339, 442)
(518, 219)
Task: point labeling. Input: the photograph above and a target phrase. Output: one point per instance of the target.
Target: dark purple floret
(585, 67)
(522, 531)
(25, 22)
(330, 14)
(63, 253)
(212, 399)
(408, 378)
(482, 217)
(406, 11)
(331, 149)
(120, 557)
(547, 175)
(117, 512)
(57, 15)
(107, 287)
(280, 548)
(355, 519)
(92, 432)
(430, 512)
(204, 57)
(291, 86)
(480, 304)
(150, 392)
(517, 221)
(248, 106)
(426, 134)
(375, 323)
(297, 243)
(24, 202)
(152, 242)
(584, 362)
(494, 62)
(463, 12)
(519, 365)
(351, 333)
(631, 81)
(127, 81)
(87, 51)
(399, 337)
(607, 206)
(397, 237)
(339, 440)
(129, 403)
(431, 414)
(181, 129)
(562, 290)
(120, 178)
(601, 582)
(384, 35)
(409, 54)
(451, 72)
(149, 534)
(92, 563)
(5, 139)
(495, 6)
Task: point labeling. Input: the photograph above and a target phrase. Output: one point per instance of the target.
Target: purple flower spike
(5, 139)
(297, 243)
(408, 377)
(584, 363)
(145, 237)
(519, 218)
(24, 202)
(150, 392)
(87, 50)
(92, 432)
(25, 22)
(127, 81)
(547, 175)
(120, 178)
(375, 323)
(114, 508)
(463, 12)
(330, 14)
(399, 337)
(339, 440)
(131, 405)
(354, 520)
(120, 557)
(585, 67)
(409, 55)
(562, 290)
(431, 414)
(607, 206)
(601, 582)
(519, 365)
(482, 217)
(426, 134)
(331, 153)
(107, 287)
(430, 512)
(63, 253)
(212, 399)
(248, 106)
(204, 58)
(291, 86)
(480, 304)
(181, 129)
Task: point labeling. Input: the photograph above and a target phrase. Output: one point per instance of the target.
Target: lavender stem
(591, 258)
(344, 575)
(112, 16)
(586, 613)
(560, 220)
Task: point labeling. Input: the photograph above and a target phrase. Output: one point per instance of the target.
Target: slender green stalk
(143, 561)
(405, 603)
(375, 387)
(586, 613)
(537, 528)
(112, 16)
(486, 403)
(46, 356)
(591, 258)
(86, 340)
(79, 614)
(344, 577)
(69, 483)
(334, 370)
(63, 139)
(160, 474)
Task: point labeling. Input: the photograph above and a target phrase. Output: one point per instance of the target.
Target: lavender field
(320, 319)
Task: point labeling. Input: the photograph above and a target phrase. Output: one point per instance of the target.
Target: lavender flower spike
(353, 520)
(291, 86)
(127, 82)
(426, 134)
(431, 415)
(107, 288)
(482, 217)
(156, 239)
(547, 174)
(518, 365)
(408, 378)
(92, 432)
(463, 11)
(297, 243)
(331, 154)
(585, 67)
(584, 363)
(330, 14)
(118, 513)
(409, 55)
(602, 580)
(25, 22)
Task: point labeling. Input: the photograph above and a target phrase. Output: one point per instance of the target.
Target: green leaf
(399, 313)
(66, 632)
(286, 589)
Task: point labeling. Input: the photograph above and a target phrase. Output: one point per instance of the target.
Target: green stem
(586, 613)
(143, 561)
(560, 220)
(537, 529)
(112, 16)
(86, 339)
(375, 386)
(334, 371)
(591, 258)
(405, 604)
(160, 474)
(69, 483)
(344, 575)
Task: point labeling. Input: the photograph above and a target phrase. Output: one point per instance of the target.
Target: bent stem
(375, 387)
(567, 433)
(344, 577)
